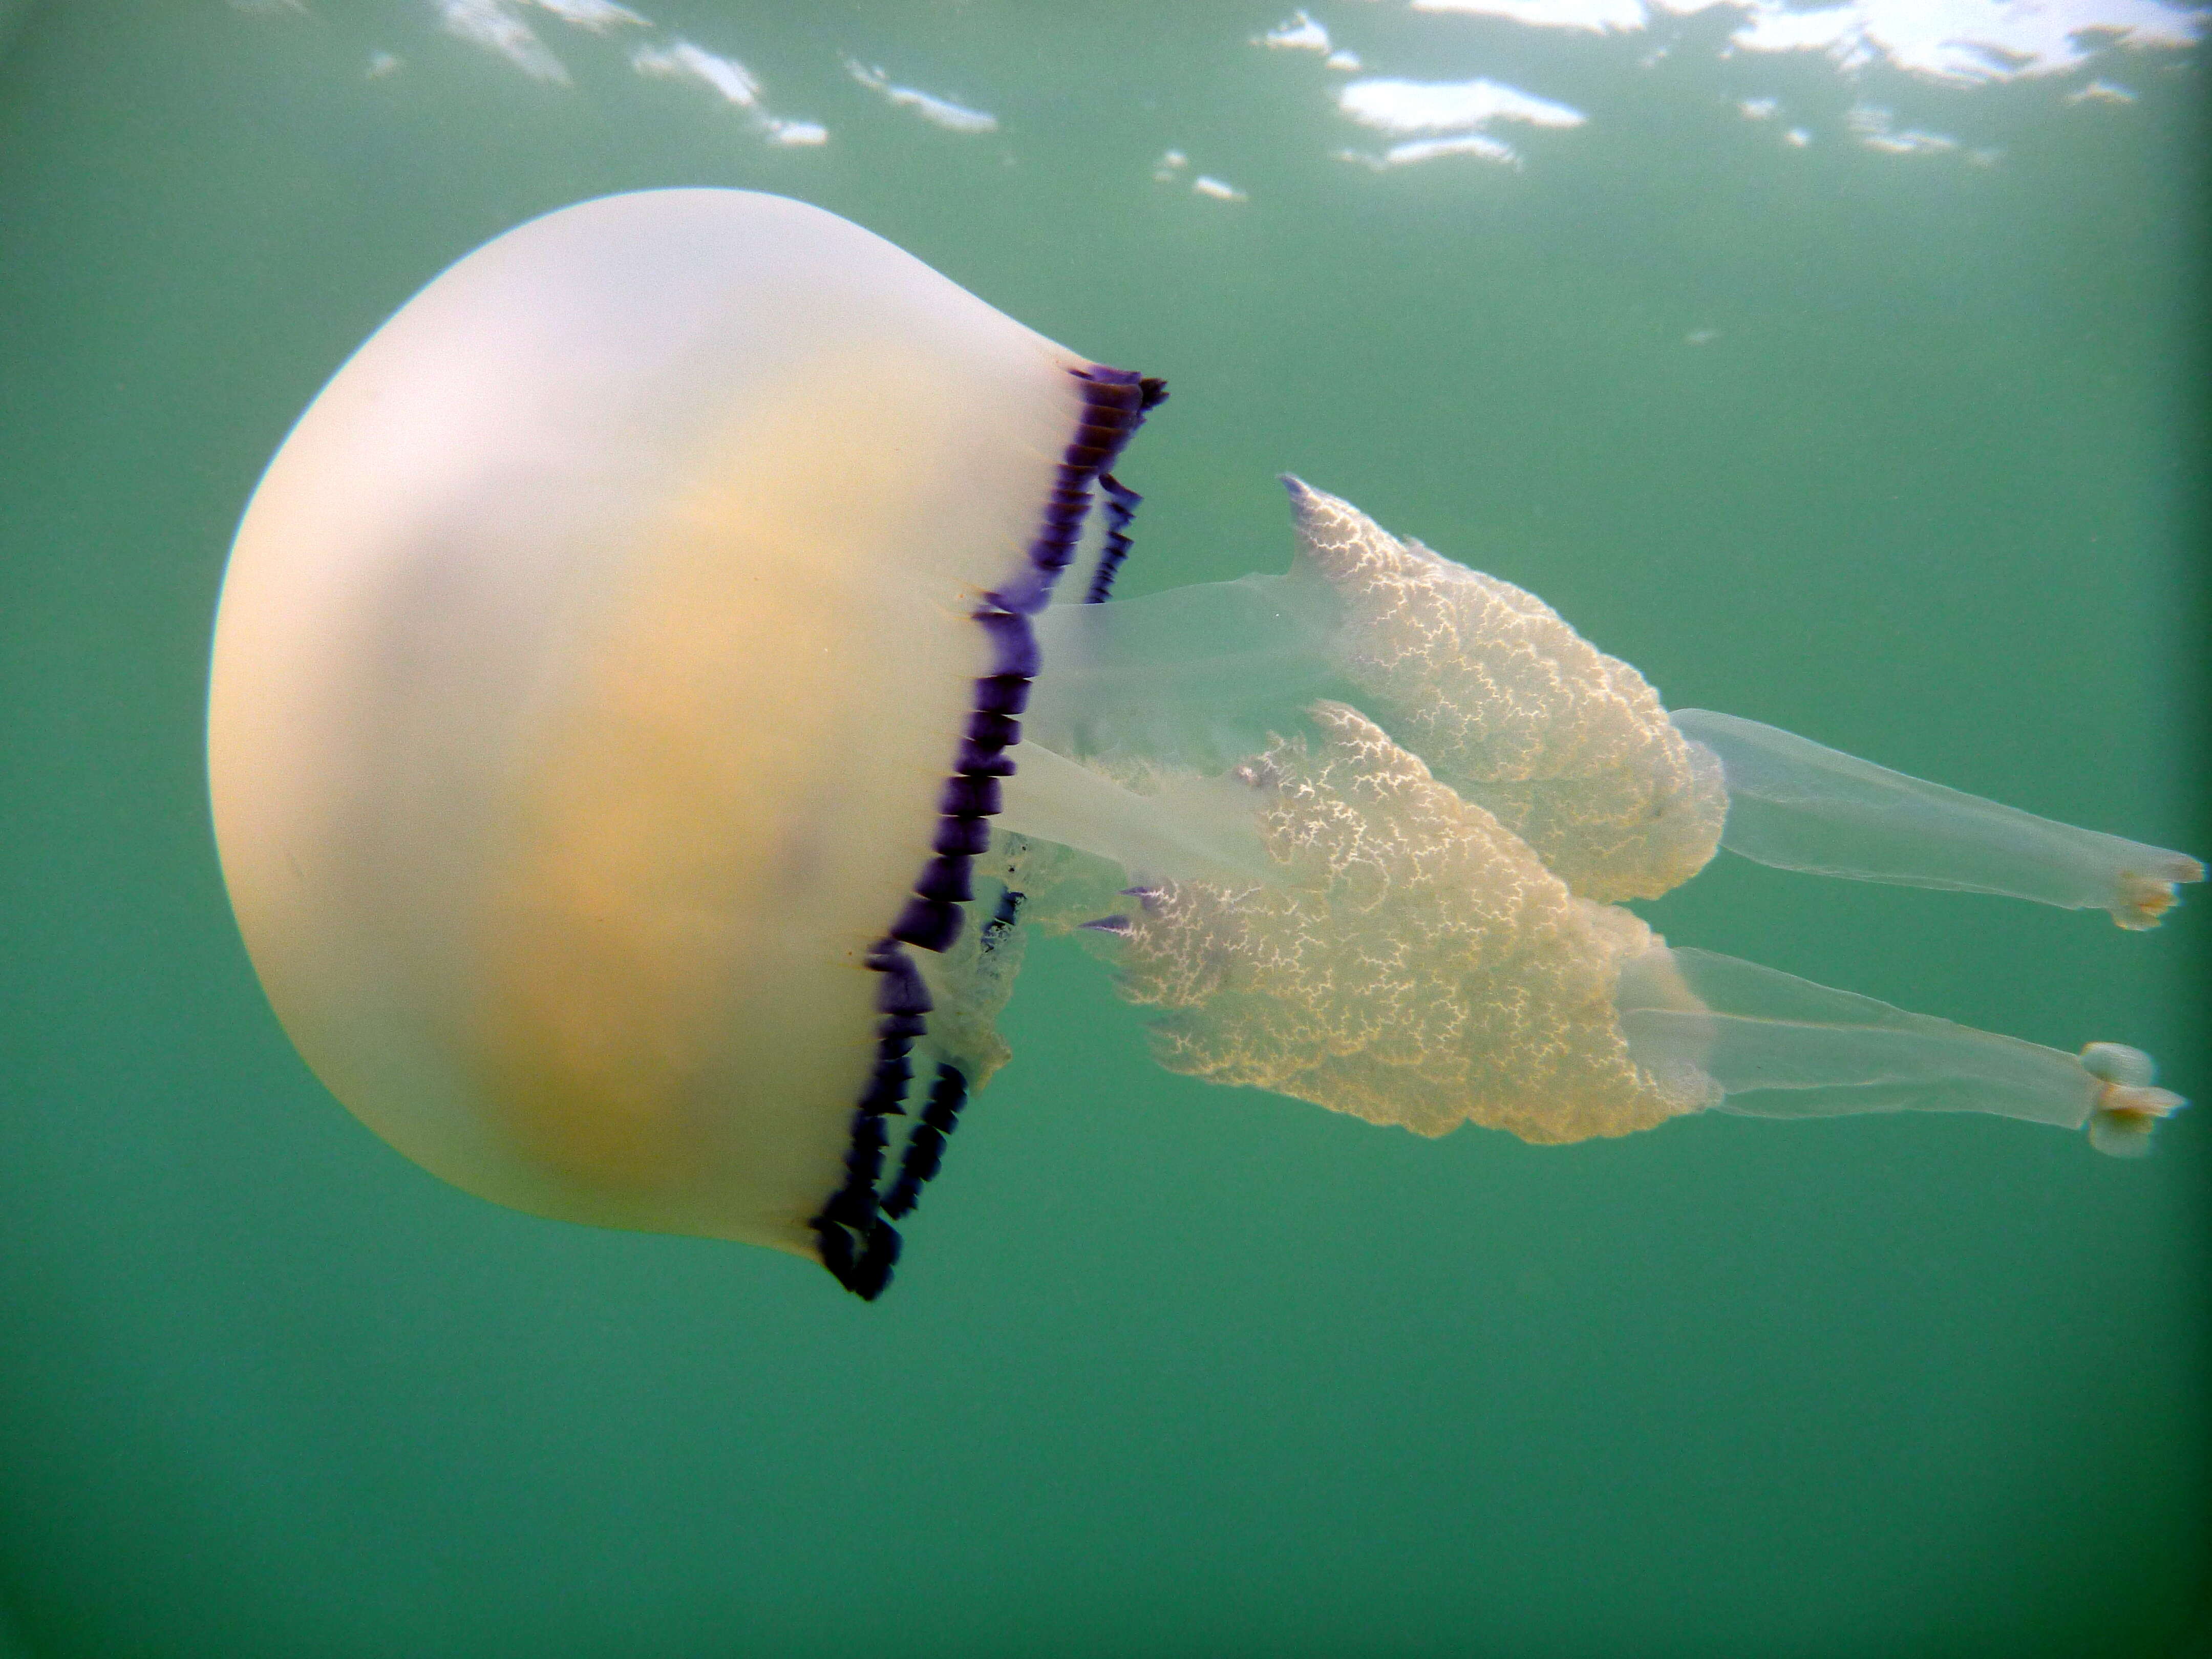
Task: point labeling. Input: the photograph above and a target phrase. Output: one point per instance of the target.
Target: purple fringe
(858, 1243)
(1120, 508)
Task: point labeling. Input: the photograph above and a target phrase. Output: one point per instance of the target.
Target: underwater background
(1855, 387)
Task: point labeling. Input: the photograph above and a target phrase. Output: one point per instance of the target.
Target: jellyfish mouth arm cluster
(1797, 805)
(1411, 961)
(1568, 747)
(1430, 942)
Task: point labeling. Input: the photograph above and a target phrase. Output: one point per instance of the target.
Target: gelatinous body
(613, 649)
(661, 674)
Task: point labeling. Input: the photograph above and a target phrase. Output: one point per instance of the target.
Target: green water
(1901, 451)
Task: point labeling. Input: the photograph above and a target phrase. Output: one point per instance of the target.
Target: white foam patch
(489, 24)
(1961, 42)
(939, 112)
(1409, 106)
(1595, 15)
(1416, 150)
(682, 61)
(1298, 33)
(1968, 42)
(729, 81)
(596, 15)
(1873, 127)
(1833, 29)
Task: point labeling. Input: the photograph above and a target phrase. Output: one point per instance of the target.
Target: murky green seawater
(1895, 449)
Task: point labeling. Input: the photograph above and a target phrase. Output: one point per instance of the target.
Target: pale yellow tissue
(680, 859)
(1570, 747)
(1418, 965)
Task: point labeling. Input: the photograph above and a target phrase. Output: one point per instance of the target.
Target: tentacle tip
(2126, 1132)
(2116, 1064)
(2127, 1108)
(2123, 1120)
(2142, 904)
(2141, 901)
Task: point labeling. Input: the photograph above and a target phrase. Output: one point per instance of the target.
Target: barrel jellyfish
(665, 673)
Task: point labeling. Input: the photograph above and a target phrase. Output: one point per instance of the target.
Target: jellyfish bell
(611, 684)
